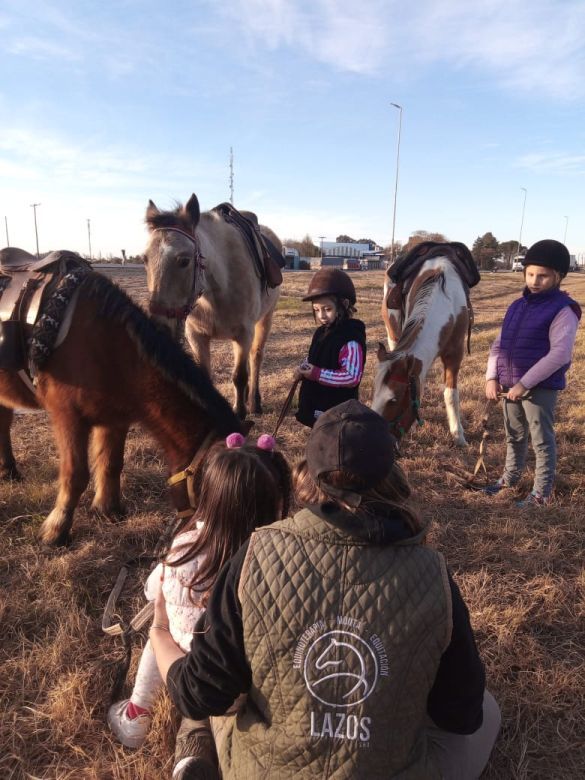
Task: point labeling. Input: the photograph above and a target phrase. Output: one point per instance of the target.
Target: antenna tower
(231, 175)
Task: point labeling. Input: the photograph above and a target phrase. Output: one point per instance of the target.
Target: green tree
(485, 251)
(343, 239)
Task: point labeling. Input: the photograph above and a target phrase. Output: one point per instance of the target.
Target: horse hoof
(62, 539)
(113, 512)
(460, 443)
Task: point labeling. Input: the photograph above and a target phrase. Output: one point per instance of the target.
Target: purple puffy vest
(524, 338)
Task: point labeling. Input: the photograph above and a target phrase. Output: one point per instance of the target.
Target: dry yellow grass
(521, 573)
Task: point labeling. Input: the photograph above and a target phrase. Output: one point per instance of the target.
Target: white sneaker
(131, 733)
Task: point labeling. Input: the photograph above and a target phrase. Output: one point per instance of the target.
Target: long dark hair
(242, 488)
(393, 492)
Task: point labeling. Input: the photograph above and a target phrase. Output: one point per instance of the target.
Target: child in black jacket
(333, 370)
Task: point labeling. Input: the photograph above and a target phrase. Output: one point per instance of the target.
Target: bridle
(183, 483)
(182, 312)
(398, 425)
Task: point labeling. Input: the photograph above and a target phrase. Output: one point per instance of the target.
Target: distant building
(346, 249)
(351, 256)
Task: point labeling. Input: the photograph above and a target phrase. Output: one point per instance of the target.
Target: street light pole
(321, 244)
(6, 227)
(566, 227)
(34, 208)
(89, 238)
(521, 220)
(396, 179)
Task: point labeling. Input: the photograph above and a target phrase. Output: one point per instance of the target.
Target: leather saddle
(24, 279)
(268, 259)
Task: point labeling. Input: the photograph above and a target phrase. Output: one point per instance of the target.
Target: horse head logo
(340, 669)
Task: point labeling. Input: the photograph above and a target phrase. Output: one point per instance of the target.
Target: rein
(182, 312)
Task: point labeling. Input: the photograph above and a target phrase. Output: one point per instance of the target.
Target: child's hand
(304, 370)
(515, 393)
(492, 388)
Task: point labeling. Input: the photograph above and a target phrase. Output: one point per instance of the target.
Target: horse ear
(191, 211)
(151, 212)
(382, 353)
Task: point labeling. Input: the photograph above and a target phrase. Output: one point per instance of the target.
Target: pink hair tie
(266, 442)
(234, 440)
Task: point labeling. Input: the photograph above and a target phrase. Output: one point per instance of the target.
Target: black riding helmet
(549, 254)
(331, 281)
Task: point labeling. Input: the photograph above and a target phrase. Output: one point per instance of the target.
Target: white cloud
(528, 45)
(41, 49)
(558, 163)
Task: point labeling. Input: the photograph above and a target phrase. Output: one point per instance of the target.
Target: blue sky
(105, 105)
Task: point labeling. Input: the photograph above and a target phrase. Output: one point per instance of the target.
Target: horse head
(173, 260)
(397, 389)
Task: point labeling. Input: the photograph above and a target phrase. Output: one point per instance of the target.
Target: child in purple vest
(528, 362)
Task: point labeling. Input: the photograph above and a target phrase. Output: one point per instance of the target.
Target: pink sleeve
(561, 334)
(351, 360)
(492, 364)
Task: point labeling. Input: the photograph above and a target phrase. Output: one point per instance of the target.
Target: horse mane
(165, 219)
(160, 350)
(414, 322)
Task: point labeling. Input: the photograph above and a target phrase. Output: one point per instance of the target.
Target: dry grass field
(521, 573)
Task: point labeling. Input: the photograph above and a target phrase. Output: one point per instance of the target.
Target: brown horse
(114, 367)
(432, 320)
(199, 270)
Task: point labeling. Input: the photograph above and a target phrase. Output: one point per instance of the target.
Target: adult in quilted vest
(347, 633)
(527, 364)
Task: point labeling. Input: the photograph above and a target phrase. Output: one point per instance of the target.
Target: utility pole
(34, 208)
(396, 180)
(89, 238)
(321, 244)
(566, 227)
(231, 175)
(524, 190)
(6, 227)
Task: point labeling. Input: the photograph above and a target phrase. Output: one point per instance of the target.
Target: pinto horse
(200, 271)
(428, 314)
(114, 367)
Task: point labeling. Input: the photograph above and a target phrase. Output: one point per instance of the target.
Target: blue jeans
(535, 415)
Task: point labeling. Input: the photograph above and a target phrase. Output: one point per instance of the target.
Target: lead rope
(470, 479)
(143, 616)
(286, 406)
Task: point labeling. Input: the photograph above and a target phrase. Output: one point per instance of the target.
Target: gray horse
(200, 270)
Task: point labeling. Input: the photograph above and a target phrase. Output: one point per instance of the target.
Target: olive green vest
(344, 640)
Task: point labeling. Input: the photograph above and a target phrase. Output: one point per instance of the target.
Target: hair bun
(234, 440)
(266, 442)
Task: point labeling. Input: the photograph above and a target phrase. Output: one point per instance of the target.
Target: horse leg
(72, 435)
(200, 345)
(107, 454)
(451, 396)
(241, 349)
(261, 332)
(8, 468)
